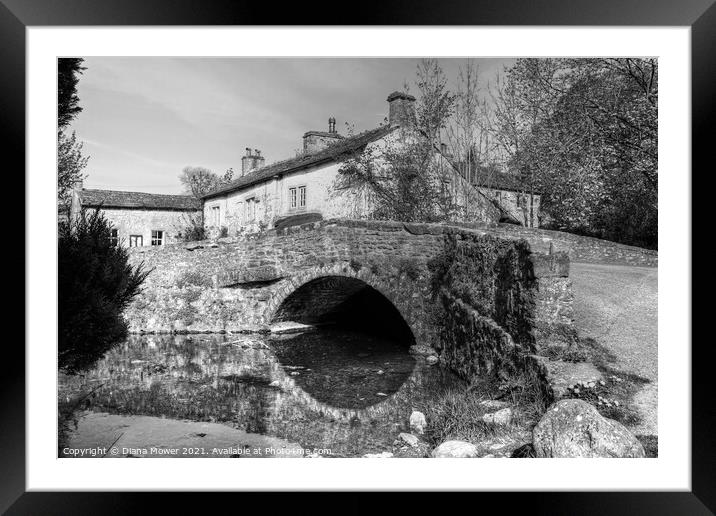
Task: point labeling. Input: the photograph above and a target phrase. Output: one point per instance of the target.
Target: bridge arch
(320, 293)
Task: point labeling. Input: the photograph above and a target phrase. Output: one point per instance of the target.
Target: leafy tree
(95, 285)
(68, 71)
(228, 175)
(583, 132)
(70, 163)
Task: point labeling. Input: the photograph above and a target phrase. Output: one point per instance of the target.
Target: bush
(95, 285)
(193, 279)
(194, 229)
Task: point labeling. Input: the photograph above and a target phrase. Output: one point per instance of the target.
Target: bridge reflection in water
(328, 388)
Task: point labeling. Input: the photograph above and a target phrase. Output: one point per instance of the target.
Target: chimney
(259, 160)
(314, 141)
(247, 162)
(251, 161)
(401, 109)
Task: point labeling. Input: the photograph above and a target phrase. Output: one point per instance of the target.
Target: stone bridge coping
(541, 242)
(502, 230)
(413, 228)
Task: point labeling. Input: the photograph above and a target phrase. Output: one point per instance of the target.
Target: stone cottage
(139, 218)
(304, 188)
(520, 205)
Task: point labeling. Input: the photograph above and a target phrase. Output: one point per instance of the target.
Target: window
(297, 197)
(136, 241)
(215, 215)
(157, 237)
(113, 238)
(250, 209)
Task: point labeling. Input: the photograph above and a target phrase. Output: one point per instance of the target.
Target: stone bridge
(481, 298)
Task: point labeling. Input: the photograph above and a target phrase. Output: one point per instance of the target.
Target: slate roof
(497, 180)
(486, 178)
(342, 148)
(149, 201)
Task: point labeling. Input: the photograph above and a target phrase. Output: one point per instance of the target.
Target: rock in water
(417, 422)
(408, 439)
(455, 449)
(574, 428)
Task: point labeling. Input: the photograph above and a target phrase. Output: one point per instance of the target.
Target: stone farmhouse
(304, 188)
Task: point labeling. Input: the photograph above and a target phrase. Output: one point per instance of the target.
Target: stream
(329, 392)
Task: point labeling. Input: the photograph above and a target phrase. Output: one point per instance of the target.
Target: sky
(145, 119)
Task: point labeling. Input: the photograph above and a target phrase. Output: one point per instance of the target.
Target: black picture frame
(17, 15)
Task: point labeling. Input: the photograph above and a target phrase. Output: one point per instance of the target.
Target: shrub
(193, 279)
(95, 285)
(194, 229)
(223, 232)
(409, 267)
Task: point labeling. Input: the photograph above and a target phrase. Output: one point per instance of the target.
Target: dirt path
(617, 306)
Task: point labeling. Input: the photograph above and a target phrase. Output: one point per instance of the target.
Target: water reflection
(330, 388)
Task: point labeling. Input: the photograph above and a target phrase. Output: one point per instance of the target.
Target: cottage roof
(117, 199)
(341, 149)
(485, 177)
(495, 179)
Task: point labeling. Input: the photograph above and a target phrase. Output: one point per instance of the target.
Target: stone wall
(519, 299)
(579, 248)
(524, 207)
(132, 221)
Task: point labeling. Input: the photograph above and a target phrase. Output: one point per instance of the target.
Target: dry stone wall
(579, 248)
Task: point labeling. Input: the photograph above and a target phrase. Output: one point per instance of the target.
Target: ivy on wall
(483, 289)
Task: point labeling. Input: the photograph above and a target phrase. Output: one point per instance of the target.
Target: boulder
(501, 417)
(455, 449)
(417, 422)
(432, 359)
(574, 428)
(408, 439)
